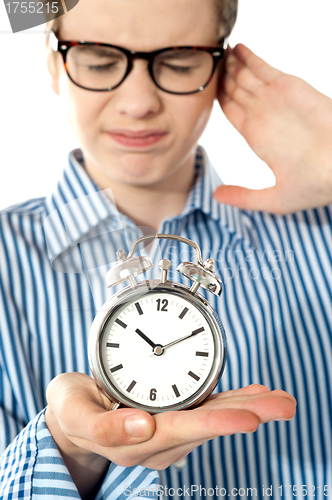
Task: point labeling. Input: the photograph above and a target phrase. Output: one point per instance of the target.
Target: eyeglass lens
(98, 68)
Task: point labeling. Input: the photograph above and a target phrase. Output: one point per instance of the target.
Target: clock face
(157, 350)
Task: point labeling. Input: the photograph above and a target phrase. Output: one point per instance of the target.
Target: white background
(292, 35)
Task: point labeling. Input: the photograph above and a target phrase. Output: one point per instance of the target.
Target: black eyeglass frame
(63, 47)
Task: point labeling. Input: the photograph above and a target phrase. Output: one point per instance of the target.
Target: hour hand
(144, 337)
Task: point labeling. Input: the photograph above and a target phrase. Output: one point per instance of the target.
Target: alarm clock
(158, 345)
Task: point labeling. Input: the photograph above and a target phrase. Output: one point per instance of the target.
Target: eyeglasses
(103, 67)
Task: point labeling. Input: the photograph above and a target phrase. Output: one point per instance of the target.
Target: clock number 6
(163, 307)
(153, 394)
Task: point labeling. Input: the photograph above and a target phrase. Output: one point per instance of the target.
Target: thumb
(84, 416)
(248, 199)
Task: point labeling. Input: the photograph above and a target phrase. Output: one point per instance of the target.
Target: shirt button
(180, 464)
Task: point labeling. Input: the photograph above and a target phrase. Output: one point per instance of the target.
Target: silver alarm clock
(158, 345)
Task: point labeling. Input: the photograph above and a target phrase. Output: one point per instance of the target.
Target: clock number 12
(164, 304)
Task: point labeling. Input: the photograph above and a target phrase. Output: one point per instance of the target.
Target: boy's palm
(89, 435)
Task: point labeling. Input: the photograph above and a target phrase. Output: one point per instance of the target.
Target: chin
(139, 180)
(141, 171)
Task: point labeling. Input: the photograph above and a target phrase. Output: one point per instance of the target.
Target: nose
(138, 96)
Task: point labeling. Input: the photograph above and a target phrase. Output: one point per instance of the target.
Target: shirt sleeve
(32, 468)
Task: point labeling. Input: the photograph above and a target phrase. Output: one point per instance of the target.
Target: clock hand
(195, 332)
(144, 337)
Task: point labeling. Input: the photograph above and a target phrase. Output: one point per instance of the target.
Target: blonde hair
(226, 13)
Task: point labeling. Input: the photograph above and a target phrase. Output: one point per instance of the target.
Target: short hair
(226, 13)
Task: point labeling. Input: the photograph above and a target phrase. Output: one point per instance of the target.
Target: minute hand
(195, 332)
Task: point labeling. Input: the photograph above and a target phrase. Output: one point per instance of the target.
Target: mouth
(136, 138)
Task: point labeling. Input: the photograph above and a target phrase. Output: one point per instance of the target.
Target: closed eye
(102, 67)
(178, 69)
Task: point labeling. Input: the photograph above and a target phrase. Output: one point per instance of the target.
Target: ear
(52, 60)
(222, 71)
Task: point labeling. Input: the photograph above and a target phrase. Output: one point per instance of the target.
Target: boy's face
(137, 104)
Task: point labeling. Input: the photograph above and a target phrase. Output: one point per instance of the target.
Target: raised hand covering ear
(288, 124)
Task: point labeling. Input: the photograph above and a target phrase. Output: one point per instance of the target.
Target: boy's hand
(89, 435)
(288, 124)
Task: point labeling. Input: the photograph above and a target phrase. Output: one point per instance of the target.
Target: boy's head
(225, 12)
(106, 123)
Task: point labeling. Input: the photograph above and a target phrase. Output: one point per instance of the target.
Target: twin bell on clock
(158, 345)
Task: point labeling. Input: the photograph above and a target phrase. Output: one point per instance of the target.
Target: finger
(249, 390)
(278, 405)
(260, 68)
(243, 398)
(242, 75)
(232, 110)
(249, 199)
(80, 410)
(163, 459)
(272, 405)
(179, 432)
(188, 426)
(229, 415)
(237, 93)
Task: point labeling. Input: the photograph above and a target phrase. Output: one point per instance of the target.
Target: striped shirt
(276, 310)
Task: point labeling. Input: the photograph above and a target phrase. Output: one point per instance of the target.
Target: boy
(140, 141)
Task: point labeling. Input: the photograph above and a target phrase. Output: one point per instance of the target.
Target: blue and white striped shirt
(276, 310)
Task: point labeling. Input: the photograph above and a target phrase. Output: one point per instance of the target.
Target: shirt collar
(78, 210)
(206, 182)
(79, 200)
